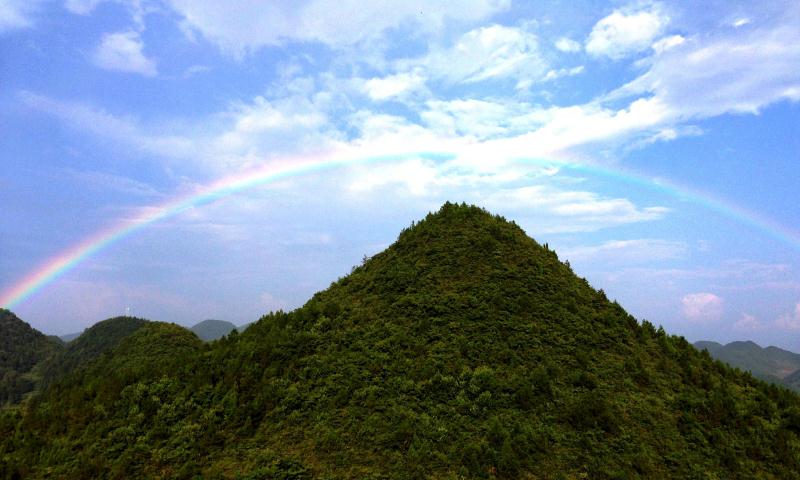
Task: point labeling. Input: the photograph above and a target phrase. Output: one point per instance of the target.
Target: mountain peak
(463, 350)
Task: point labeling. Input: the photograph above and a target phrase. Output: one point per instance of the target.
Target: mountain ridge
(463, 350)
(772, 364)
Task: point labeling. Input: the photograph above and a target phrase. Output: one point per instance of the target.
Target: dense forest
(22, 348)
(464, 350)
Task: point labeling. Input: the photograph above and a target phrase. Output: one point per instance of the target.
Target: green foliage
(22, 348)
(464, 350)
(93, 342)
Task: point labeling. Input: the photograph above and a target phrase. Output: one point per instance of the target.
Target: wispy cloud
(727, 73)
(625, 252)
(789, 321)
(123, 52)
(106, 126)
(748, 323)
(17, 14)
(486, 53)
(242, 28)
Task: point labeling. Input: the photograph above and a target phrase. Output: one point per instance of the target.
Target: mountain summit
(464, 350)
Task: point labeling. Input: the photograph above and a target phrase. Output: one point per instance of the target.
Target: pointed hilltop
(464, 350)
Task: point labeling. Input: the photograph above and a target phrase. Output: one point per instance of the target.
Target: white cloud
(748, 323)
(738, 72)
(561, 129)
(416, 176)
(122, 52)
(17, 14)
(790, 321)
(740, 22)
(667, 43)
(563, 72)
(245, 135)
(82, 7)
(393, 86)
(567, 45)
(486, 53)
(556, 210)
(702, 307)
(623, 33)
(240, 27)
(110, 127)
(480, 119)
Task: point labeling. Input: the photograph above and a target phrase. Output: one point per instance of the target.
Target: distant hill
(22, 348)
(93, 342)
(772, 364)
(792, 381)
(209, 330)
(464, 350)
(69, 337)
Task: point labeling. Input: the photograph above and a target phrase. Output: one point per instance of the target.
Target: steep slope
(93, 342)
(209, 330)
(21, 349)
(772, 364)
(464, 350)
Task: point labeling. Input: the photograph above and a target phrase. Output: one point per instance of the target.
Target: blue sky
(654, 145)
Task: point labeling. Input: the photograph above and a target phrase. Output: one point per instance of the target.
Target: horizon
(206, 161)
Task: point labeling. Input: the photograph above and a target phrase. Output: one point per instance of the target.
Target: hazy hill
(93, 342)
(793, 381)
(69, 337)
(209, 330)
(771, 363)
(712, 347)
(464, 350)
(21, 349)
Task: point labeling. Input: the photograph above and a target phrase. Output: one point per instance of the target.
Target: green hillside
(93, 342)
(772, 364)
(22, 348)
(209, 330)
(464, 350)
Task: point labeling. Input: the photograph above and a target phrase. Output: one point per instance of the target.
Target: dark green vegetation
(464, 350)
(772, 364)
(93, 342)
(209, 330)
(22, 348)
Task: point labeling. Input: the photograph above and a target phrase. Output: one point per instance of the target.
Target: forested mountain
(464, 350)
(93, 342)
(209, 330)
(772, 364)
(22, 348)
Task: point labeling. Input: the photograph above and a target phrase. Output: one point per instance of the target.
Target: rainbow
(68, 259)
